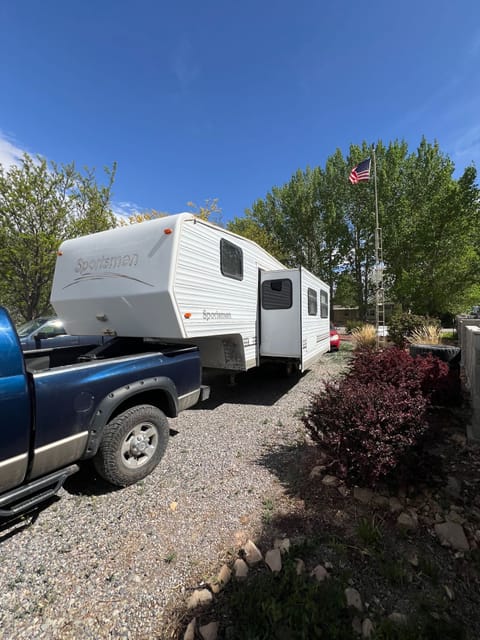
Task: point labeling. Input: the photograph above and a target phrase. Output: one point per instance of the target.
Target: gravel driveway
(99, 563)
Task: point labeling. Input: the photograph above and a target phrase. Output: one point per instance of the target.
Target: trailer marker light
(167, 231)
(187, 315)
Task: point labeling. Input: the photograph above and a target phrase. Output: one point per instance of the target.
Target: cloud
(10, 153)
(123, 210)
(183, 64)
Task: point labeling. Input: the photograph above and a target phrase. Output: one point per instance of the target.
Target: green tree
(431, 227)
(40, 206)
(429, 223)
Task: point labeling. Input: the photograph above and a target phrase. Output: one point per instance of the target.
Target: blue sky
(223, 99)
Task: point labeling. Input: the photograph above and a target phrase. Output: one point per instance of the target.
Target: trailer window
(323, 304)
(231, 260)
(312, 302)
(277, 294)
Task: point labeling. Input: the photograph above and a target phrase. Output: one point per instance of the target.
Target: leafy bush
(350, 325)
(373, 422)
(364, 337)
(403, 325)
(368, 428)
(427, 375)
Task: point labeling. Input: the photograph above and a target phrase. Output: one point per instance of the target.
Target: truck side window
(231, 260)
(277, 294)
(312, 302)
(323, 304)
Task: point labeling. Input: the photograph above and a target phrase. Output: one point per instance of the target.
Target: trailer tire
(133, 444)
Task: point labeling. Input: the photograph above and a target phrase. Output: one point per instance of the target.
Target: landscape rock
(330, 481)
(353, 598)
(406, 521)
(199, 597)
(398, 618)
(273, 559)
(413, 560)
(253, 554)
(240, 569)
(363, 495)
(319, 573)
(453, 488)
(299, 566)
(190, 630)
(453, 516)
(282, 543)
(209, 631)
(381, 501)
(223, 578)
(449, 592)
(367, 628)
(395, 505)
(317, 471)
(452, 534)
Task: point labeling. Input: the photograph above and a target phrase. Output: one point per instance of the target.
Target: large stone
(363, 495)
(199, 598)
(317, 471)
(273, 559)
(381, 501)
(452, 533)
(240, 569)
(282, 543)
(330, 481)
(299, 566)
(353, 598)
(367, 628)
(395, 505)
(253, 554)
(209, 631)
(190, 630)
(223, 578)
(406, 521)
(453, 488)
(319, 573)
(398, 618)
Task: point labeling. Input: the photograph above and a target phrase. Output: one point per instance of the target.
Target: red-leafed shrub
(426, 374)
(368, 428)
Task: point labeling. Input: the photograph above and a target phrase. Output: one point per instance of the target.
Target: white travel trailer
(181, 278)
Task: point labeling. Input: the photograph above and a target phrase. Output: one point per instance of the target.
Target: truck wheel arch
(159, 392)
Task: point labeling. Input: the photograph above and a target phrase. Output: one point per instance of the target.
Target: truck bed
(43, 359)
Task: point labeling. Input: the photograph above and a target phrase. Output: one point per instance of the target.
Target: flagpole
(377, 242)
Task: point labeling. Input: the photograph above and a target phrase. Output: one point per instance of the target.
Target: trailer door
(280, 311)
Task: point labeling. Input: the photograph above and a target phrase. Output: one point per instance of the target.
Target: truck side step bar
(24, 498)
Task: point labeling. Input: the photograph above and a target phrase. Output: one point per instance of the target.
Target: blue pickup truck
(110, 403)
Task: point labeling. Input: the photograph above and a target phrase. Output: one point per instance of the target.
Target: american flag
(361, 172)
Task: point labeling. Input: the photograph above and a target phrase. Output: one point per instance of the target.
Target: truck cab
(48, 331)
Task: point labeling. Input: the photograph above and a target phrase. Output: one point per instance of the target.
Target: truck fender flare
(115, 398)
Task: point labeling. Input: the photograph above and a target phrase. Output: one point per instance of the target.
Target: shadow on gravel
(87, 482)
(9, 527)
(263, 385)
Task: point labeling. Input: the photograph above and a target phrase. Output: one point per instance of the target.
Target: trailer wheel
(133, 444)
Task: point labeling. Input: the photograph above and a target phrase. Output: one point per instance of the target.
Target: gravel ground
(99, 563)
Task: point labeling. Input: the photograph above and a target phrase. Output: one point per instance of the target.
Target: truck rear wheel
(133, 444)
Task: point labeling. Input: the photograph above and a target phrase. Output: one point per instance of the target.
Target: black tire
(133, 444)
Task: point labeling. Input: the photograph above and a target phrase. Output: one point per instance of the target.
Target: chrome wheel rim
(139, 445)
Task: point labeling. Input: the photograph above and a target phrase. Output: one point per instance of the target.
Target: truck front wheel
(133, 444)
